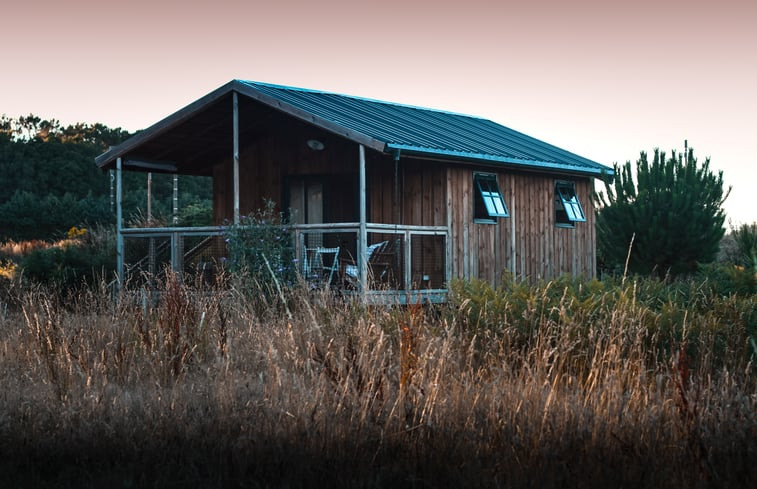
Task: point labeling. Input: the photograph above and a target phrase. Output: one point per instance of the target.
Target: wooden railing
(402, 262)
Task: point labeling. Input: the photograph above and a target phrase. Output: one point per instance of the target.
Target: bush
(86, 257)
(262, 246)
(735, 272)
(197, 214)
(684, 311)
(726, 279)
(746, 244)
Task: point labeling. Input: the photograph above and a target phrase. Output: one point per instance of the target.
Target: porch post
(513, 244)
(396, 215)
(177, 253)
(362, 242)
(151, 249)
(175, 215)
(149, 197)
(236, 155)
(407, 244)
(119, 224)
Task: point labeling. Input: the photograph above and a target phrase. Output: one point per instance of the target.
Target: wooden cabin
(410, 197)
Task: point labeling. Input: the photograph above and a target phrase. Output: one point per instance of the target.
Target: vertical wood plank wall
(542, 250)
(434, 194)
(266, 162)
(430, 193)
(422, 193)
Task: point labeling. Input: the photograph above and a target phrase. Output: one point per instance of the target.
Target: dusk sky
(599, 78)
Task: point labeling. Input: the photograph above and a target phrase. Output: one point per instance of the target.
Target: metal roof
(383, 126)
(421, 131)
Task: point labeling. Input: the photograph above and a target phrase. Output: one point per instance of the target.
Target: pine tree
(672, 211)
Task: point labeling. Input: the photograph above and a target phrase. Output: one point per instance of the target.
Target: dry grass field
(555, 385)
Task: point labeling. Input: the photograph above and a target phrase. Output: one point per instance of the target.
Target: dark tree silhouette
(672, 209)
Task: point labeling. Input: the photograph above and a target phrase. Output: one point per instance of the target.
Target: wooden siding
(433, 193)
(539, 249)
(421, 190)
(270, 159)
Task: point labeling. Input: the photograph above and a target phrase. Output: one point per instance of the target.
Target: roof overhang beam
(151, 165)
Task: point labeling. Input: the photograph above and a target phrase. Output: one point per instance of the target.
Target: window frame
(488, 201)
(566, 198)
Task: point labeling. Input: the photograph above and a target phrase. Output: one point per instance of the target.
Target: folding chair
(315, 269)
(350, 272)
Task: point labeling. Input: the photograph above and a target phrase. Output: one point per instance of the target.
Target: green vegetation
(261, 246)
(735, 270)
(199, 213)
(49, 181)
(49, 184)
(585, 384)
(671, 314)
(745, 238)
(86, 256)
(671, 210)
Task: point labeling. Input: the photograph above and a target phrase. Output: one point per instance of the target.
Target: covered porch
(350, 227)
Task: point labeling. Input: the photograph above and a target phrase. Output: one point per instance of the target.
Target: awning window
(489, 201)
(568, 208)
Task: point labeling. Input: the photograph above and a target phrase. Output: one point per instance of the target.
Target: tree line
(49, 181)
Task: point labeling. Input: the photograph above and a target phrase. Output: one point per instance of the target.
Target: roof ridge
(365, 99)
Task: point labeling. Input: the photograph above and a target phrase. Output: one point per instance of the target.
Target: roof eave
(598, 171)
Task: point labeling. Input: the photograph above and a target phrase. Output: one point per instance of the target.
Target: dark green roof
(383, 126)
(429, 132)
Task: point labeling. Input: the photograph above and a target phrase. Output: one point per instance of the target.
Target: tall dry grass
(220, 388)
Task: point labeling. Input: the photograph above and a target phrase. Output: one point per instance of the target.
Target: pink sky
(602, 80)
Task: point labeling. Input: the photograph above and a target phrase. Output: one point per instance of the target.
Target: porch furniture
(318, 271)
(381, 258)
